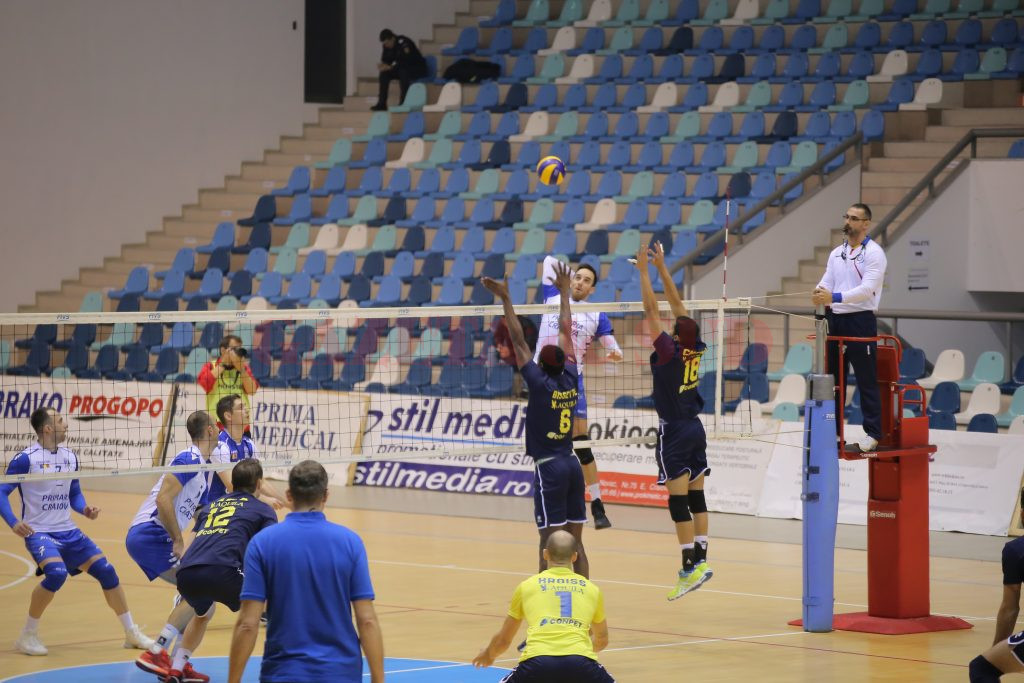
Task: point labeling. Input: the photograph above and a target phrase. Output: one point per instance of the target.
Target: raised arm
(647, 293)
(675, 302)
(563, 278)
(515, 330)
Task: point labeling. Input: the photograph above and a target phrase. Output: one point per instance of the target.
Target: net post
(719, 357)
(820, 494)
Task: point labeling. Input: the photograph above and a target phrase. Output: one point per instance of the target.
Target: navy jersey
(224, 529)
(676, 376)
(1013, 562)
(549, 411)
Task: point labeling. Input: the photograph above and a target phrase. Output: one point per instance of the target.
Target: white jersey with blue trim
(585, 326)
(193, 485)
(46, 503)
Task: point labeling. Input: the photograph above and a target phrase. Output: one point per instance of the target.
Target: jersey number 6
(565, 421)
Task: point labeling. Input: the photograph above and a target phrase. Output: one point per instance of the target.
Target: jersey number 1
(564, 603)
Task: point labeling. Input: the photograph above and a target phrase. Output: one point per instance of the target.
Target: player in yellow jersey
(565, 624)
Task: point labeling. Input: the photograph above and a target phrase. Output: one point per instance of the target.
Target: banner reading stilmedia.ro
(111, 425)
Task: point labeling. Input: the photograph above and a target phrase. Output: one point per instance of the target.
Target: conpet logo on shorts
(101, 406)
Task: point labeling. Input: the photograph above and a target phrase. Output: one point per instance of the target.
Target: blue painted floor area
(407, 670)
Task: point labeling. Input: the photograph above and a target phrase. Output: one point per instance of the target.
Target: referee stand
(897, 526)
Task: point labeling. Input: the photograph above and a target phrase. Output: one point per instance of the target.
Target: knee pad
(585, 455)
(103, 571)
(983, 671)
(54, 576)
(697, 502)
(678, 509)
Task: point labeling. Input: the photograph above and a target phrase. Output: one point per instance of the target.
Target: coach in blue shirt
(306, 571)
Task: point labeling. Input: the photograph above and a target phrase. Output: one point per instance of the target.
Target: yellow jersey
(559, 606)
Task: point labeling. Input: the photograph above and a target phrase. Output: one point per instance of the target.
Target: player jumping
(585, 328)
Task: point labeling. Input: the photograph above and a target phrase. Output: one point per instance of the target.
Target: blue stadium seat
(945, 398)
(983, 422)
(753, 361)
(298, 183)
(263, 212)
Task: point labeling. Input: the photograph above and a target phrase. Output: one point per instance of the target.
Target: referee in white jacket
(852, 289)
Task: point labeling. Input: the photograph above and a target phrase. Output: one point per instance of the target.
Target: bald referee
(852, 289)
(558, 486)
(565, 622)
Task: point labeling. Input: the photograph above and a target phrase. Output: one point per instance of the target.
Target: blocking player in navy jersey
(558, 498)
(211, 569)
(56, 545)
(156, 537)
(235, 444)
(1007, 652)
(682, 443)
(586, 327)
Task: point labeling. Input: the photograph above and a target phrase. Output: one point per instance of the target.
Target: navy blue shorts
(201, 585)
(151, 548)
(549, 669)
(72, 547)
(558, 491)
(682, 449)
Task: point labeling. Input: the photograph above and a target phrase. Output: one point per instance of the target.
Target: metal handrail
(880, 232)
(817, 168)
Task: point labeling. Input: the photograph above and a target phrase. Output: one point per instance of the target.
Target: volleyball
(551, 170)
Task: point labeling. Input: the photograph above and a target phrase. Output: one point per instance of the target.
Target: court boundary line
(506, 572)
(28, 574)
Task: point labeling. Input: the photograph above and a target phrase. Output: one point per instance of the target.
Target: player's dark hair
(587, 266)
(246, 475)
(863, 207)
(197, 423)
(386, 34)
(225, 342)
(552, 360)
(308, 483)
(687, 332)
(40, 418)
(225, 405)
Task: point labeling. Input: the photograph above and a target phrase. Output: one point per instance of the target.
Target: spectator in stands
(229, 374)
(1007, 651)
(313, 576)
(400, 60)
(852, 289)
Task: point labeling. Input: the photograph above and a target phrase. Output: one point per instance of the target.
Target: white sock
(685, 546)
(703, 540)
(31, 625)
(595, 491)
(180, 658)
(126, 620)
(163, 641)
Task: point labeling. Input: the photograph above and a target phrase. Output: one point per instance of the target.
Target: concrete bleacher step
(994, 116)
(288, 161)
(222, 199)
(198, 232)
(901, 164)
(277, 173)
(293, 145)
(205, 215)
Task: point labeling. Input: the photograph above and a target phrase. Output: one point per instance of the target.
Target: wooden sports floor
(444, 573)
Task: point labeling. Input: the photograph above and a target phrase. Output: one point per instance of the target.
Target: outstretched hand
(496, 287)
(563, 277)
(657, 254)
(640, 260)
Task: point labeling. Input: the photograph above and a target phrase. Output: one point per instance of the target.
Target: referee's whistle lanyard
(855, 258)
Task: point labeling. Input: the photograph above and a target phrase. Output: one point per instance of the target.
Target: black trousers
(405, 75)
(862, 357)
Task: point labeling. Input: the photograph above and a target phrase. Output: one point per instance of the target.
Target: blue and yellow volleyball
(551, 170)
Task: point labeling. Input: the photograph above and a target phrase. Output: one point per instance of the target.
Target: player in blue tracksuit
(558, 486)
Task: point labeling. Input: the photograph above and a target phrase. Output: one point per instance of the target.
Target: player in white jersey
(235, 444)
(51, 537)
(585, 328)
(156, 539)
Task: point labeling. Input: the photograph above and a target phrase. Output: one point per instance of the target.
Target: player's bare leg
(590, 475)
(993, 663)
(582, 565)
(54, 573)
(157, 659)
(113, 592)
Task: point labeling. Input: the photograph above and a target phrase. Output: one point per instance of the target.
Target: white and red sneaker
(159, 664)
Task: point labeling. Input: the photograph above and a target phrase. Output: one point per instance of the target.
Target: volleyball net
(354, 388)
